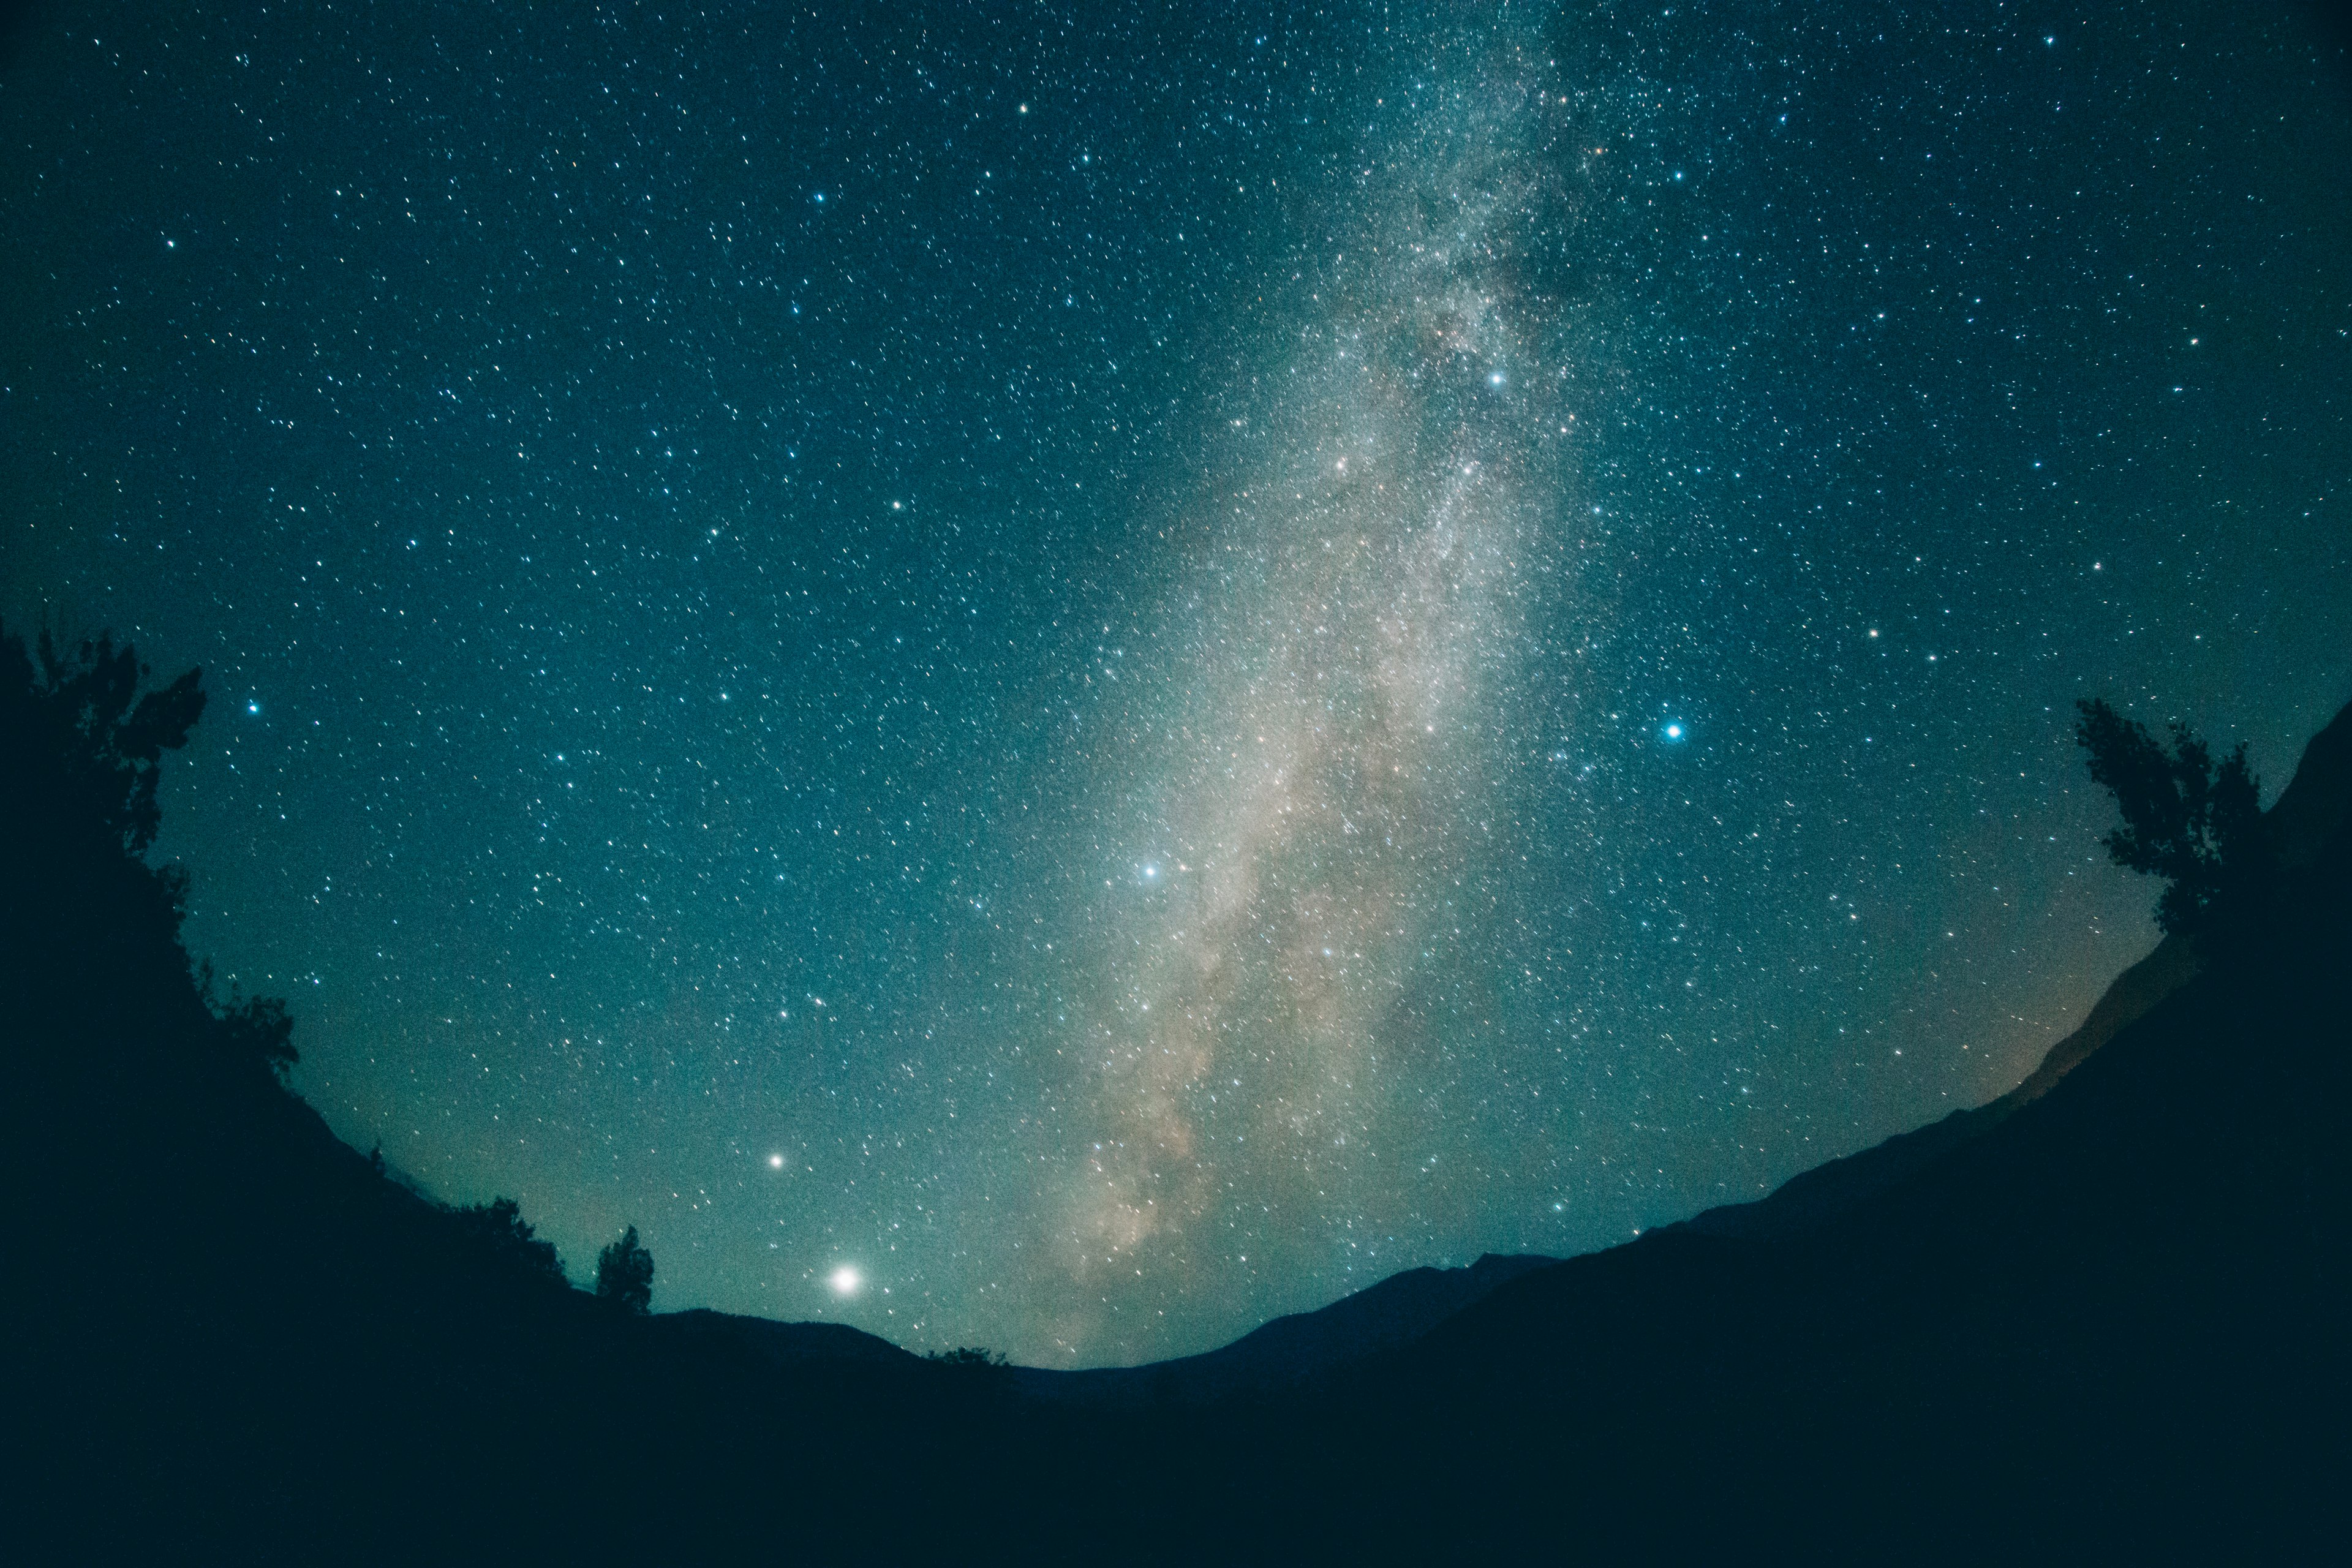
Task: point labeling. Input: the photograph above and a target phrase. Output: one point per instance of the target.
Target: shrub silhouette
(625, 1274)
(977, 1372)
(500, 1232)
(2197, 824)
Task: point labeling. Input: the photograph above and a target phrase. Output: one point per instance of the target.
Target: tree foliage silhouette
(2195, 822)
(625, 1274)
(500, 1232)
(974, 1368)
(84, 717)
(257, 1028)
(81, 746)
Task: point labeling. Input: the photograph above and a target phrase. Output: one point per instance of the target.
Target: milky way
(1309, 771)
(1063, 681)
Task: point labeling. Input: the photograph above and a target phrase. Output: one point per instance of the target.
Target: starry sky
(1063, 677)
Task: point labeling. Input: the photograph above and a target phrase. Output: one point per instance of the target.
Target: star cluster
(1067, 677)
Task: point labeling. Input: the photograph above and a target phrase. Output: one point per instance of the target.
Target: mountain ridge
(1296, 1348)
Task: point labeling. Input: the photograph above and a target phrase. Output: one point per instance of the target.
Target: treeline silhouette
(2193, 822)
(2108, 1324)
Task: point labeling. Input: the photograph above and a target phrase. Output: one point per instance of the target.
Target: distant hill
(783, 1345)
(1276, 1356)
(1294, 1349)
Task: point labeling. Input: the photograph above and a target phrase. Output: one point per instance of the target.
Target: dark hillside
(2112, 1319)
(229, 1329)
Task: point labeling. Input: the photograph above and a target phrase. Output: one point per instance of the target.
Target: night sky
(1123, 669)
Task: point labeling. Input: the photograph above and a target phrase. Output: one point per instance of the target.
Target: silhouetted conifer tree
(625, 1274)
(2197, 824)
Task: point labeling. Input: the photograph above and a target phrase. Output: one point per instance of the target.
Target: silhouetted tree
(625, 1274)
(83, 716)
(499, 1228)
(2197, 824)
(256, 1028)
(252, 1030)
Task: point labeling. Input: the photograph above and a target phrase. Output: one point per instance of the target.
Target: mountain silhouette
(1295, 1349)
(2102, 1318)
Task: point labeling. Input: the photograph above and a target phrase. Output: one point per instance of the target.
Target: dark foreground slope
(2313, 809)
(2110, 1324)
